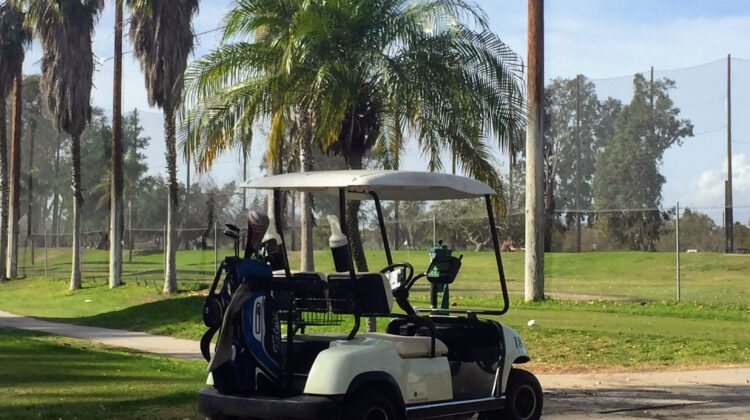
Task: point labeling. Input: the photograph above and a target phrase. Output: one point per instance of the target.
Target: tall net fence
(625, 159)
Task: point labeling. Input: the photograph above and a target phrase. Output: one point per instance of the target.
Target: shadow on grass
(180, 315)
(48, 377)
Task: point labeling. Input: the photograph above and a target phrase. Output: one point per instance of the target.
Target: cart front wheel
(523, 396)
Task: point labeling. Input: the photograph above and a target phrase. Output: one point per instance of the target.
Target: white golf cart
(429, 363)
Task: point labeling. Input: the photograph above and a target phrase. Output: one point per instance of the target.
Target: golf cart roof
(388, 185)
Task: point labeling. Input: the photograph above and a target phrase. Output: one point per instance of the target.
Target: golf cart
(434, 362)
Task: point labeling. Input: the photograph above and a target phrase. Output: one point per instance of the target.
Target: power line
(198, 35)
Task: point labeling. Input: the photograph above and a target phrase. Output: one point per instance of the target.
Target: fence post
(45, 248)
(130, 231)
(677, 249)
(164, 244)
(216, 247)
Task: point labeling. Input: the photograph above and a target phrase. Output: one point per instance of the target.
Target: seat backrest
(310, 291)
(366, 294)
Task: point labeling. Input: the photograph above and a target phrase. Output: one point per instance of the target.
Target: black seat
(310, 291)
(366, 294)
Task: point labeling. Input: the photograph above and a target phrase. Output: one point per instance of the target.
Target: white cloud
(708, 188)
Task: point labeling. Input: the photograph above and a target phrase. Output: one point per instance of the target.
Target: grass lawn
(44, 376)
(568, 336)
(706, 277)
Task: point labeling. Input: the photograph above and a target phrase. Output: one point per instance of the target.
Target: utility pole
(116, 186)
(578, 163)
(534, 258)
(729, 210)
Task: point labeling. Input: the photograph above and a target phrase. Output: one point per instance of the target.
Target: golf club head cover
(257, 224)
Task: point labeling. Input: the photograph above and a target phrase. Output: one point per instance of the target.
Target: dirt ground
(704, 394)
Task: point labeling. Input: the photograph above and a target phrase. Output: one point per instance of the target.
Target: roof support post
(383, 231)
(498, 258)
(279, 230)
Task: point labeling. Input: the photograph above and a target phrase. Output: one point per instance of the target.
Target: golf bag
(247, 359)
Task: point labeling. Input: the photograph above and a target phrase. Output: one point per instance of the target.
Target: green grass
(706, 277)
(568, 335)
(44, 376)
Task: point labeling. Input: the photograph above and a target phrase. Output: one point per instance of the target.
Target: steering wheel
(401, 290)
(408, 272)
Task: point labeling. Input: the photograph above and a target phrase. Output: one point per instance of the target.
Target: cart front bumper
(212, 403)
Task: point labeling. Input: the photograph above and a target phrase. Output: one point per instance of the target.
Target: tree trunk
(115, 205)
(56, 196)
(396, 226)
(549, 214)
(306, 218)
(75, 155)
(3, 188)
(170, 273)
(15, 178)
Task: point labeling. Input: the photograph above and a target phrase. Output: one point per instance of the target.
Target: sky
(606, 40)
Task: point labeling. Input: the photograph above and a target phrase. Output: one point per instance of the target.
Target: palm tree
(115, 206)
(14, 38)
(366, 73)
(162, 36)
(64, 28)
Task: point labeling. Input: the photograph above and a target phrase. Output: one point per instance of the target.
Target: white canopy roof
(388, 185)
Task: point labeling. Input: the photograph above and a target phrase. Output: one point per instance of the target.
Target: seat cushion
(410, 347)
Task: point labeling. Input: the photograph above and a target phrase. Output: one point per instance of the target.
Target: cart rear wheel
(369, 404)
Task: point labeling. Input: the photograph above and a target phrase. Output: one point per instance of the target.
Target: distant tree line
(46, 170)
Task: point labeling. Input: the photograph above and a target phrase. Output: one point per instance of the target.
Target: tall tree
(65, 28)
(14, 38)
(576, 127)
(627, 169)
(161, 32)
(34, 116)
(366, 71)
(115, 205)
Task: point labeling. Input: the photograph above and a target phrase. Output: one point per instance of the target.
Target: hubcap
(376, 413)
(525, 402)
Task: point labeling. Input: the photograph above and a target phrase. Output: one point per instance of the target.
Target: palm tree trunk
(170, 274)
(306, 218)
(75, 155)
(15, 178)
(115, 219)
(3, 188)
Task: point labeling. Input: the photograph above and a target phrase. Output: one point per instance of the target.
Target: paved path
(705, 394)
(149, 343)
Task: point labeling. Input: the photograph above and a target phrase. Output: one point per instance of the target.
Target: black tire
(524, 398)
(369, 404)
